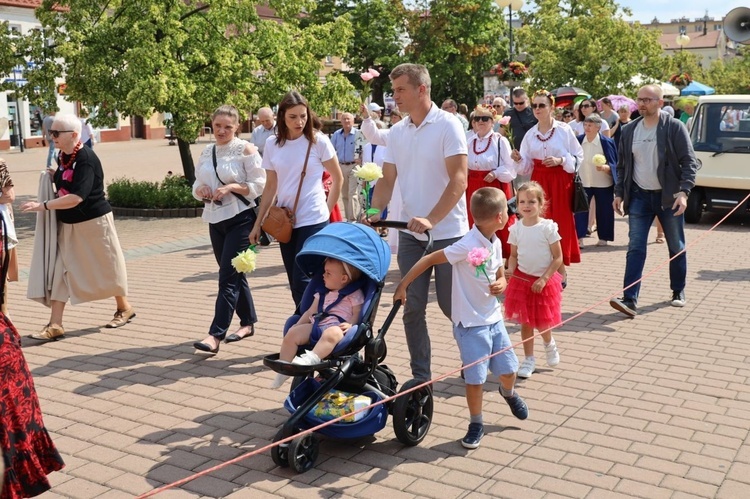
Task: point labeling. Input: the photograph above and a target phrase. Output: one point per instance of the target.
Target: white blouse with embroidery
(559, 142)
(233, 166)
(483, 156)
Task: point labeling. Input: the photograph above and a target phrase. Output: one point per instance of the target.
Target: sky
(665, 10)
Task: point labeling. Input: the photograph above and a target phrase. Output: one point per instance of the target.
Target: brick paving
(658, 406)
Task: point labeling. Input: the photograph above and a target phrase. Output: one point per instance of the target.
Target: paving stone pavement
(656, 406)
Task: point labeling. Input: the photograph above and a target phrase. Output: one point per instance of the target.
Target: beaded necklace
(65, 165)
(474, 145)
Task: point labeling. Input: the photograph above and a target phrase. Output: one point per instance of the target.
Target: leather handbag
(280, 220)
(580, 199)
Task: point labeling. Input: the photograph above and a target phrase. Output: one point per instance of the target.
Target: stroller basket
(374, 421)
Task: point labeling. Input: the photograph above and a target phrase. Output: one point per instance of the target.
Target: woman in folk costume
(551, 153)
(490, 164)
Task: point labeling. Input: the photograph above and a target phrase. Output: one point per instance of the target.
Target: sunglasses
(585, 106)
(217, 202)
(56, 133)
(519, 103)
(482, 118)
(538, 106)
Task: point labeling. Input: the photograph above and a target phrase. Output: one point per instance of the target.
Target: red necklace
(474, 145)
(71, 159)
(545, 139)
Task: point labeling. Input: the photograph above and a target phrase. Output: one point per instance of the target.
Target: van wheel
(694, 207)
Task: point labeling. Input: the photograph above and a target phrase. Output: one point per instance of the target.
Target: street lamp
(512, 5)
(18, 124)
(682, 39)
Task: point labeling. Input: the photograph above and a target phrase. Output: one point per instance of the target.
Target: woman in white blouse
(228, 179)
(490, 164)
(283, 160)
(551, 153)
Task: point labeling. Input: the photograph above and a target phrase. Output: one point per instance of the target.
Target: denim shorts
(478, 342)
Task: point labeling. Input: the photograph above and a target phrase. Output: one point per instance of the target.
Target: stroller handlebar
(403, 226)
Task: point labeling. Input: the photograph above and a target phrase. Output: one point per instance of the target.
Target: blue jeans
(50, 153)
(605, 215)
(228, 238)
(298, 280)
(643, 207)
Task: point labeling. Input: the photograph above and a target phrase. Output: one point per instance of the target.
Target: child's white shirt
(471, 301)
(533, 244)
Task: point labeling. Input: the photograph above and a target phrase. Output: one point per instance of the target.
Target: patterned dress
(27, 449)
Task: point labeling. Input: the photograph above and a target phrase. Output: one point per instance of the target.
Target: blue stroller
(346, 369)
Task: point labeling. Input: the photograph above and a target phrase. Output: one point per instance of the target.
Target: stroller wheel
(280, 453)
(412, 414)
(303, 451)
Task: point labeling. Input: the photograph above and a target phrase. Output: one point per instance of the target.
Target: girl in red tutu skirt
(534, 292)
(27, 449)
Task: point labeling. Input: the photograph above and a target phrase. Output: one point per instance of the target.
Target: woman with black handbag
(294, 160)
(228, 179)
(551, 153)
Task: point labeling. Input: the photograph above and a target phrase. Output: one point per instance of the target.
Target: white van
(720, 131)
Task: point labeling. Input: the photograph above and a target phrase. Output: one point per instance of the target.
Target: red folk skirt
(558, 189)
(476, 181)
(25, 444)
(538, 310)
(336, 213)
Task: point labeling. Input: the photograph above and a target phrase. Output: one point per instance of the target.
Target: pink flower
(67, 175)
(504, 120)
(367, 76)
(478, 256)
(373, 72)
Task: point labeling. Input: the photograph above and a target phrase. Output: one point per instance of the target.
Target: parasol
(620, 100)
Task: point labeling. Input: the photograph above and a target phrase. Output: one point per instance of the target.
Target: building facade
(706, 38)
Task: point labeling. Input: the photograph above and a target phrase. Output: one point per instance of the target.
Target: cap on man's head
(374, 106)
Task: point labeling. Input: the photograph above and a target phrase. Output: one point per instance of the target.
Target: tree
(458, 41)
(32, 53)
(731, 76)
(587, 43)
(186, 57)
(378, 36)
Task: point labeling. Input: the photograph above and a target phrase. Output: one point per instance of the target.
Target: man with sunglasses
(656, 168)
(522, 120)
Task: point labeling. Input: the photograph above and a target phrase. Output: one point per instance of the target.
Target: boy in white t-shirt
(475, 312)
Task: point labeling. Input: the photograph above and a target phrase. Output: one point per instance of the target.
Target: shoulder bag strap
(301, 179)
(216, 172)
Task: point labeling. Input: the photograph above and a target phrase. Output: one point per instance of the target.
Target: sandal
(660, 238)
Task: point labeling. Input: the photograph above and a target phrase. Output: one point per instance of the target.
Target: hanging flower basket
(681, 80)
(511, 73)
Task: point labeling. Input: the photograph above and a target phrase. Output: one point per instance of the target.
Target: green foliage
(187, 57)
(587, 43)
(458, 41)
(174, 191)
(378, 29)
(731, 76)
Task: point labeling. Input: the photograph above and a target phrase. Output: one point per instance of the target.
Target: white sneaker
(553, 356)
(309, 358)
(279, 380)
(527, 368)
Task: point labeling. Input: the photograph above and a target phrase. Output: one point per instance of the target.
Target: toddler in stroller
(326, 321)
(354, 365)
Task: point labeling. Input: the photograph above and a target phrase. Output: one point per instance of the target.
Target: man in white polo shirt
(427, 158)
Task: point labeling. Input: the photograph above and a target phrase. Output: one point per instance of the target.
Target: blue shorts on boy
(477, 315)
(478, 342)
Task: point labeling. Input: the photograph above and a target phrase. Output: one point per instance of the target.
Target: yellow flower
(599, 160)
(244, 262)
(368, 172)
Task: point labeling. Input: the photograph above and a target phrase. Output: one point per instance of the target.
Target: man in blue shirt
(345, 142)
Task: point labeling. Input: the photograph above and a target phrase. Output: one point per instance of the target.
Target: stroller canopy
(353, 243)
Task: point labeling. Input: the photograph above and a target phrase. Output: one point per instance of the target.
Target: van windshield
(721, 127)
